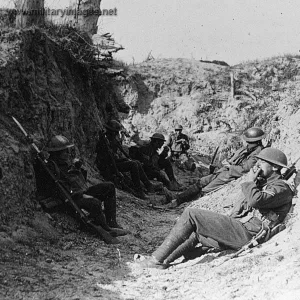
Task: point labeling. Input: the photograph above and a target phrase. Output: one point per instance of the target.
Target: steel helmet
(253, 134)
(58, 143)
(113, 125)
(273, 156)
(178, 127)
(158, 136)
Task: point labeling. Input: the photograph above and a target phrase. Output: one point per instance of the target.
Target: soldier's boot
(114, 228)
(153, 187)
(178, 235)
(174, 185)
(188, 195)
(184, 249)
(169, 195)
(108, 236)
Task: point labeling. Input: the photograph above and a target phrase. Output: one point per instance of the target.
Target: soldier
(267, 200)
(74, 179)
(153, 162)
(178, 142)
(124, 163)
(239, 164)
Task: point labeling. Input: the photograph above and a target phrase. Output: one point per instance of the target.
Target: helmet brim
(254, 139)
(272, 161)
(58, 149)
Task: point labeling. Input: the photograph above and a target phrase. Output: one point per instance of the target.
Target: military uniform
(153, 163)
(242, 161)
(125, 164)
(74, 180)
(268, 202)
(178, 144)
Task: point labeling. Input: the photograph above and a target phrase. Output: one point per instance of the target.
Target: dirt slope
(48, 256)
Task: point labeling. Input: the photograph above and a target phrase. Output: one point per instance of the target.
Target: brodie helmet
(273, 156)
(58, 143)
(253, 134)
(158, 136)
(178, 127)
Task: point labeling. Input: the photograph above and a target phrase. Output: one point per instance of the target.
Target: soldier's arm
(273, 196)
(238, 171)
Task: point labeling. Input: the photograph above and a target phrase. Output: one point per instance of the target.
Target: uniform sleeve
(273, 196)
(238, 171)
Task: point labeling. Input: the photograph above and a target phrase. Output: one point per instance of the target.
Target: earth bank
(49, 256)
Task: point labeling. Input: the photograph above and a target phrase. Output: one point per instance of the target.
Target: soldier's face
(266, 169)
(177, 132)
(65, 155)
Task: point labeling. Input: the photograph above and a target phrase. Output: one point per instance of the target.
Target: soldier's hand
(253, 174)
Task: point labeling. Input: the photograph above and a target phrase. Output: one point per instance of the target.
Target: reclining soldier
(266, 202)
(73, 177)
(153, 163)
(124, 163)
(238, 165)
(178, 142)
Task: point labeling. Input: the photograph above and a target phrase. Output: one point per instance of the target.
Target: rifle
(111, 173)
(252, 243)
(291, 170)
(65, 193)
(211, 166)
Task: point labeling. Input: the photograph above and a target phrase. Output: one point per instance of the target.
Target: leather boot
(169, 195)
(153, 187)
(114, 228)
(174, 186)
(178, 235)
(188, 195)
(183, 250)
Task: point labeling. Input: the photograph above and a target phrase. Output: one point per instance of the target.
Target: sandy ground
(80, 266)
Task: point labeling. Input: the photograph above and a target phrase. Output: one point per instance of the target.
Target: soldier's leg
(151, 174)
(216, 182)
(223, 229)
(132, 167)
(106, 192)
(166, 165)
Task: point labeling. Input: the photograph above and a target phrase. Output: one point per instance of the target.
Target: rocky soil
(50, 256)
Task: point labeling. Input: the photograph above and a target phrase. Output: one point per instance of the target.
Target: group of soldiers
(267, 197)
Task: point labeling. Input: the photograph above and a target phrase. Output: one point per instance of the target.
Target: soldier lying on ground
(153, 162)
(241, 162)
(178, 142)
(124, 163)
(73, 177)
(267, 200)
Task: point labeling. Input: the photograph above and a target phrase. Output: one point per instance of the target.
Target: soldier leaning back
(241, 162)
(266, 202)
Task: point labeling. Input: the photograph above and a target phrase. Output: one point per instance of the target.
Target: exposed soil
(80, 266)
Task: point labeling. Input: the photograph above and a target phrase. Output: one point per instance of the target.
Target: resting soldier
(178, 142)
(267, 200)
(74, 178)
(153, 162)
(239, 164)
(124, 163)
